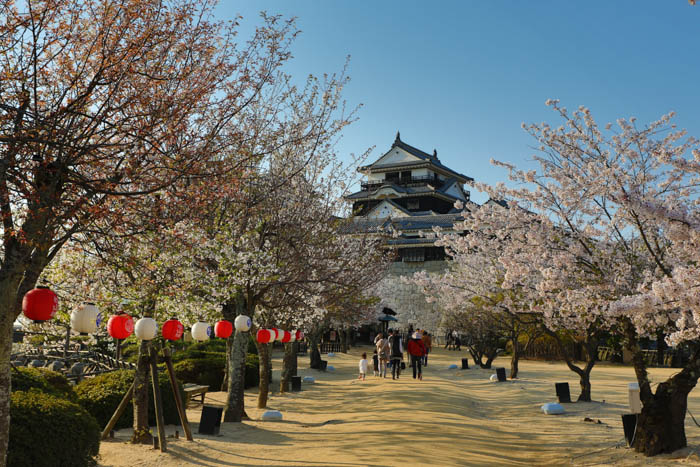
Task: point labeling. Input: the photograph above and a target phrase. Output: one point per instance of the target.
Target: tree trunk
(265, 368)
(314, 352)
(343, 340)
(489, 360)
(235, 407)
(142, 433)
(591, 347)
(661, 425)
(515, 358)
(227, 367)
(295, 358)
(6, 321)
(288, 367)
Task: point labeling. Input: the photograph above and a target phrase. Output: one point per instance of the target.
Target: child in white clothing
(364, 365)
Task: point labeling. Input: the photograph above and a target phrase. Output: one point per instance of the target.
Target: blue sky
(461, 76)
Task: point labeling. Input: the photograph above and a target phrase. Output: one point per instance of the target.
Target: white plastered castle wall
(407, 300)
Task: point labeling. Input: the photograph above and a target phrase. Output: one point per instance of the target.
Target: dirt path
(452, 417)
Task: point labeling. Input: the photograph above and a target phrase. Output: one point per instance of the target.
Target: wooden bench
(193, 390)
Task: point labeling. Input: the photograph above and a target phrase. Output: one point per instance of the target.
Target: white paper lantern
(280, 335)
(146, 329)
(201, 331)
(273, 335)
(84, 318)
(294, 336)
(242, 323)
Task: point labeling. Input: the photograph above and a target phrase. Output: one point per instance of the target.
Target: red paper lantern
(223, 329)
(300, 335)
(287, 336)
(173, 329)
(120, 326)
(40, 304)
(263, 336)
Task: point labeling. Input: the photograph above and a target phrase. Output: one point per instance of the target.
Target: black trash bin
(563, 393)
(501, 374)
(296, 383)
(465, 363)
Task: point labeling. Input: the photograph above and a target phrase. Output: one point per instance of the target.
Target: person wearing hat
(416, 350)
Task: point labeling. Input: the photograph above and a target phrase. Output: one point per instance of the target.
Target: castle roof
(419, 159)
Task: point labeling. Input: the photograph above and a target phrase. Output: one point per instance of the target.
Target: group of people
(452, 341)
(389, 351)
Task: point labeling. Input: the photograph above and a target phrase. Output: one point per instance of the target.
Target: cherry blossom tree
(610, 199)
(105, 103)
(470, 293)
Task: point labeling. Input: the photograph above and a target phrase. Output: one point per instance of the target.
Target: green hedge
(102, 394)
(209, 371)
(252, 370)
(50, 431)
(47, 381)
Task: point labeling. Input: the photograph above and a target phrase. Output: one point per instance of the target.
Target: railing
(402, 181)
(92, 363)
(330, 347)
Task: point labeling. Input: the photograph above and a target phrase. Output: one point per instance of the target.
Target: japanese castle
(411, 191)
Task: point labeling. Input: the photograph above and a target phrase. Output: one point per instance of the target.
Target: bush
(47, 381)
(210, 371)
(210, 348)
(102, 394)
(50, 431)
(252, 371)
(207, 371)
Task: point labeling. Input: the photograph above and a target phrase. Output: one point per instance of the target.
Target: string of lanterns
(267, 336)
(40, 304)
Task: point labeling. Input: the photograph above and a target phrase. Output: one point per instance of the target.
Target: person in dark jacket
(416, 349)
(395, 353)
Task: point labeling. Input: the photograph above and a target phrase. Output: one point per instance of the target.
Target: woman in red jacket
(416, 350)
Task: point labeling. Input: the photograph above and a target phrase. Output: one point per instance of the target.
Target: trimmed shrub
(210, 371)
(252, 347)
(207, 371)
(50, 431)
(44, 380)
(102, 394)
(210, 348)
(252, 371)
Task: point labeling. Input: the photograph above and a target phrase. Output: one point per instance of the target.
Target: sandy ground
(452, 417)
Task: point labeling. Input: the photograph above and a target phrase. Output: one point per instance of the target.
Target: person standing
(375, 362)
(383, 350)
(395, 353)
(416, 350)
(428, 344)
(363, 366)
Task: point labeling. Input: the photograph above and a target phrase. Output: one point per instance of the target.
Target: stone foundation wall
(407, 300)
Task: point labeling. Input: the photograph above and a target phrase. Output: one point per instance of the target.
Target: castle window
(412, 205)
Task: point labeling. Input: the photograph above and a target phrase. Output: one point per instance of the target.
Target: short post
(465, 363)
